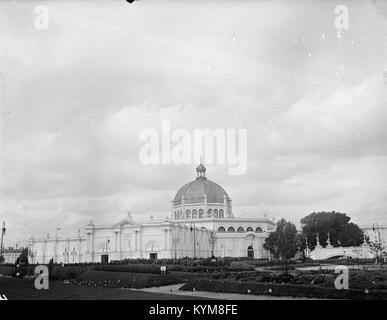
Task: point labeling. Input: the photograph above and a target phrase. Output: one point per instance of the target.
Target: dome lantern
(201, 171)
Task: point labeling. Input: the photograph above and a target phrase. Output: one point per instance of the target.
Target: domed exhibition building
(201, 224)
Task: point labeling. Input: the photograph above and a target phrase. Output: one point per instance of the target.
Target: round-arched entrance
(250, 252)
(152, 249)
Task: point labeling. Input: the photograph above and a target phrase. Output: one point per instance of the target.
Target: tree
(31, 255)
(212, 241)
(378, 248)
(301, 245)
(50, 267)
(282, 243)
(23, 257)
(341, 231)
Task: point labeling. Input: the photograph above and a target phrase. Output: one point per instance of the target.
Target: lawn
(24, 289)
(131, 280)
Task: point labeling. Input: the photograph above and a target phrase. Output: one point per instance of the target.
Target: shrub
(240, 266)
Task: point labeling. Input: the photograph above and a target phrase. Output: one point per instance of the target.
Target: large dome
(195, 191)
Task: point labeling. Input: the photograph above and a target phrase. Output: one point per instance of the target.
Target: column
(172, 211)
(229, 211)
(44, 251)
(182, 205)
(165, 239)
(32, 249)
(205, 206)
(88, 239)
(120, 243)
(55, 249)
(80, 250)
(225, 213)
(115, 240)
(140, 244)
(136, 240)
(92, 246)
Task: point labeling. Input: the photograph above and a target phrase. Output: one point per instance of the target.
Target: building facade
(201, 224)
(10, 255)
(376, 232)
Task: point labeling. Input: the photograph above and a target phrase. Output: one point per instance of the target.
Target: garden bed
(289, 290)
(358, 279)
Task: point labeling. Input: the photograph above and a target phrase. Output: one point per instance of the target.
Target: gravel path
(175, 289)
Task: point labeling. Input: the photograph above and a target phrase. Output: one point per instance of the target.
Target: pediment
(125, 222)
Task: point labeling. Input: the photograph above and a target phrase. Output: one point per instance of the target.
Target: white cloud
(80, 93)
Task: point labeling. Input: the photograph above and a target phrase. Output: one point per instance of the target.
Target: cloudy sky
(75, 96)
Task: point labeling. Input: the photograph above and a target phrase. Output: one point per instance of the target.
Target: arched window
(209, 213)
(258, 229)
(181, 214)
(221, 213)
(176, 216)
(249, 229)
(194, 214)
(201, 213)
(188, 214)
(231, 229)
(240, 229)
(221, 229)
(215, 213)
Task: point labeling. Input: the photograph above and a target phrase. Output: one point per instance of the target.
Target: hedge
(153, 268)
(56, 273)
(135, 268)
(6, 270)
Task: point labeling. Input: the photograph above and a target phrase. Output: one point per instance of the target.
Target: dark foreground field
(23, 289)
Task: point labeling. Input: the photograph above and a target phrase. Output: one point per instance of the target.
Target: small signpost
(163, 269)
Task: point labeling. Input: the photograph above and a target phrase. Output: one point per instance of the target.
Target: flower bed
(290, 290)
(358, 279)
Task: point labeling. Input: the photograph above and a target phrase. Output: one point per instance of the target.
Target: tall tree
(212, 240)
(341, 231)
(282, 243)
(23, 257)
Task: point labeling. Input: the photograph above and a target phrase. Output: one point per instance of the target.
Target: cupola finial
(201, 170)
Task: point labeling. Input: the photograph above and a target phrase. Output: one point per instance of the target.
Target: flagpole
(1, 244)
